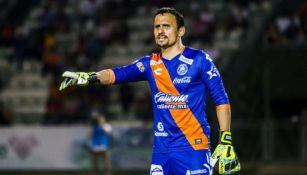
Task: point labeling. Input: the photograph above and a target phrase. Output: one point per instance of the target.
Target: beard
(165, 45)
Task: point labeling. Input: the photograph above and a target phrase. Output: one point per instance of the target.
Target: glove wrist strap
(93, 78)
(225, 138)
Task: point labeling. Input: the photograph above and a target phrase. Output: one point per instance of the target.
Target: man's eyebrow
(157, 25)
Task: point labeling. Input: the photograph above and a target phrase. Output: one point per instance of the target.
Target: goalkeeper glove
(78, 78)
(225, 154)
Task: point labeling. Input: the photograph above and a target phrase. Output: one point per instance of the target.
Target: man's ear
(181, 31)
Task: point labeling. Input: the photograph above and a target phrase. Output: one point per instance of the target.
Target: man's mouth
(161, 38)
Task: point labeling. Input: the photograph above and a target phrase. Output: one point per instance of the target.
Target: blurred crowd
(73, 35)
(288, 28)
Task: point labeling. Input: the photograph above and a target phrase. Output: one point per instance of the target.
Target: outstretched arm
(106, 76)
(135, 71)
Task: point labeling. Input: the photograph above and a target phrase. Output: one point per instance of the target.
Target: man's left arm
(224, 152)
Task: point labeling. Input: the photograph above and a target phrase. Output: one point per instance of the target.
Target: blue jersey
(178, 89)
(99, 137)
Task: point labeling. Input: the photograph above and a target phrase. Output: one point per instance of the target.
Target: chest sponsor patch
(169, 101)
(182, 80)
(160, 132)
(186, 60)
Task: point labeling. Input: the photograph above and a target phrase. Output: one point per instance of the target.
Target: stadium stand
(53, 35)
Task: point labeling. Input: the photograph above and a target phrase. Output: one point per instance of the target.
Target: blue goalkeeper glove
(225, 154)
(77, 78)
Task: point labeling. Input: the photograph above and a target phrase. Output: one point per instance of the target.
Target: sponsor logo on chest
(160, 132)
(162, 97)
(186, 60)
(169, 101)
(182, 80)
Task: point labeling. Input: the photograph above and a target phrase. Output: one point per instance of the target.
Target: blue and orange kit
(178, 89)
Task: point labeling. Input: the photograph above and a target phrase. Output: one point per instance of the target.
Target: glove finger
(69, 74)
(236, 168)
(214, 158)
(217, 152)
(216, 155)
(221, 166)
(229, 166)
(65, 83)
(213, 162)
(224, 166)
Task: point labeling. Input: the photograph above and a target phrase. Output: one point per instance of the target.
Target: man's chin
(163, 46)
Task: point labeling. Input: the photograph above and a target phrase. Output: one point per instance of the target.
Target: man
(179, 77)
(99, 145)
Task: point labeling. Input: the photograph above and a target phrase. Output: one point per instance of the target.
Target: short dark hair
(173, 11)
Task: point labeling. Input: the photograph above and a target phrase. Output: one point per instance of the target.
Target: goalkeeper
(179, 77)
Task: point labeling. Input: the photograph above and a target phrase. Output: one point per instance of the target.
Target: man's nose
(160, 30)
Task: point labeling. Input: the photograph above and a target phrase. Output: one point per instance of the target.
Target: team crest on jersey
(182, 69)
(140, 66)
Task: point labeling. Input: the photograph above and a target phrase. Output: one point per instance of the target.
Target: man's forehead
(165, 17)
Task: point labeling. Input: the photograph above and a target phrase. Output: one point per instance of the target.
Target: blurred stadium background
(260, 47)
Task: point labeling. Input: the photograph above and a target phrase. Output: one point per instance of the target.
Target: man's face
(165, 30)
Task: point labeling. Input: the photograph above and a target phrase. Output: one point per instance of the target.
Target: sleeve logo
(140, 66)
(213, 72)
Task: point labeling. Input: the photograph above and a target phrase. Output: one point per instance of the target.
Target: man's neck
(171, 52)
